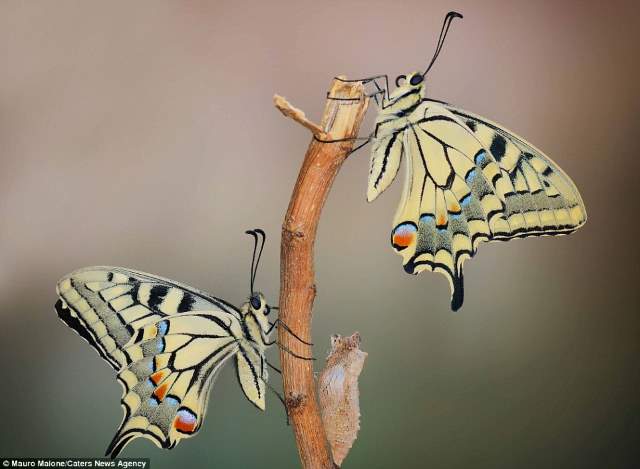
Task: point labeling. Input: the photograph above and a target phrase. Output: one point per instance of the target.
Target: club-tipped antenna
(264, 240)
(257, 253)
(443, 34)
(253, 257)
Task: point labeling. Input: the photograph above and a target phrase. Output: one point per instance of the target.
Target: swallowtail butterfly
(467, 179)
(167, 342)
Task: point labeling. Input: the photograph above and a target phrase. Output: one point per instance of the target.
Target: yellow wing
(467, 180)
(166, 340)
(166, 387)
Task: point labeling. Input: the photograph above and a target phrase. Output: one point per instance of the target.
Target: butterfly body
(467, 180)
(167, 342)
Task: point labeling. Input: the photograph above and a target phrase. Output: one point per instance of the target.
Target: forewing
(166, 386)
(106, 305)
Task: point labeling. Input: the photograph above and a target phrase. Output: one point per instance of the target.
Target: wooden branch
(341, 120)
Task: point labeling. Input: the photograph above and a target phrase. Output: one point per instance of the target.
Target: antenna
(255, 260)
(264, 240)
(443, 34)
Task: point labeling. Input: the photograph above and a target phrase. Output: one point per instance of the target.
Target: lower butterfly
(167, 342)
(467, 180)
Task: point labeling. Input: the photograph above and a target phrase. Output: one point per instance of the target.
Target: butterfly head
(410, 89)
(409, 92)
(414, 83)
(255, 312)
(257, 304)
(405, 83)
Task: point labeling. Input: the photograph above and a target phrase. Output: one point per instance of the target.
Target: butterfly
(167, 342)
(467, 179)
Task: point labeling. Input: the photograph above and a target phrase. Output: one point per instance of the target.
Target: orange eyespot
(185, 421)
(403, 235)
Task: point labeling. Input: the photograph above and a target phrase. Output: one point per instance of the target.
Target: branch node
(294, 400)
(292, 233)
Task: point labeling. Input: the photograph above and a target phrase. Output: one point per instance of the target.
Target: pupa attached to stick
(339, 395)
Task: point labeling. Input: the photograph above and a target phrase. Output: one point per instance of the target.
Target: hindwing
(166, 387)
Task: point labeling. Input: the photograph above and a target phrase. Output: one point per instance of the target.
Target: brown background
(143, 134)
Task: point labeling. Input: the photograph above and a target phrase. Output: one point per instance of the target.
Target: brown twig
(341, 120)
(297, 115)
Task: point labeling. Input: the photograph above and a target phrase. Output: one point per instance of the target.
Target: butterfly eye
(400, 78)
(416, 79)
(267, 310)
(255, 302)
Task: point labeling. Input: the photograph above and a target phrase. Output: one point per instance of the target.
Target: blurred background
(143, 134)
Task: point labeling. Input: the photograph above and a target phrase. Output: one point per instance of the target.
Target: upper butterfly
(167, 341)
(468, 180)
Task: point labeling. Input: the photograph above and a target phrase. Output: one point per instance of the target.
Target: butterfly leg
(353, 150)
(273, 367)
(373, 95)
(282, 347)
(286, 328)
(367, 140)
(373, 80)
(280, 398)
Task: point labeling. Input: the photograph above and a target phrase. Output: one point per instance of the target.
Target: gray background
(143, 134)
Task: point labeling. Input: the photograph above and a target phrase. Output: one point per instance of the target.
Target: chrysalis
(339, 395)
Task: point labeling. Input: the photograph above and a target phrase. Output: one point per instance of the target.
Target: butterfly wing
(252, 374)
(521, 161)
(166, 387)
(105, 305)
(165, 339)
(467, 180)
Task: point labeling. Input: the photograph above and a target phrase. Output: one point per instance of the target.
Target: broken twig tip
(292, 112)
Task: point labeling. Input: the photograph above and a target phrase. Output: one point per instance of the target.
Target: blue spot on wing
(466, 199)
(427, 217)
(480, 157)
(171, 400)
(163, 326)
(405, 229)
(470, 175)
